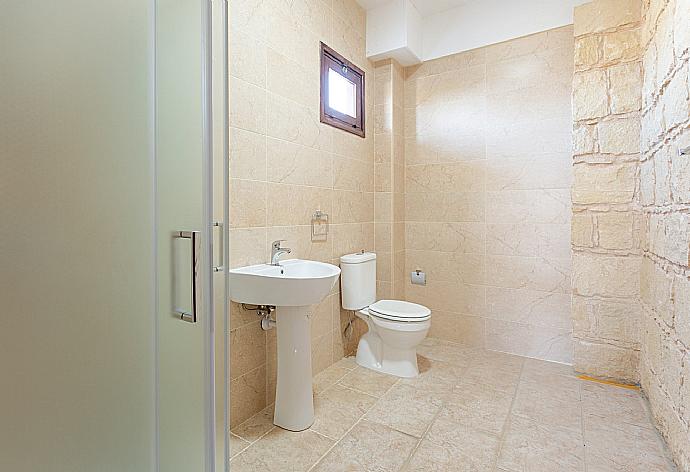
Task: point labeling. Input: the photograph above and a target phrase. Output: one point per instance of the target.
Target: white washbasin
(295, 282)
(291, 287)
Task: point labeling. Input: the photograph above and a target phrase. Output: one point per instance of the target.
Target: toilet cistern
(277, 251)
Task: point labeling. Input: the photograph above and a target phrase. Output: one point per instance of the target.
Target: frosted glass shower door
(186, 429)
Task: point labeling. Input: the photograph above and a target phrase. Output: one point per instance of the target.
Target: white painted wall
(385, 28)
(480, 23)
(395, 29)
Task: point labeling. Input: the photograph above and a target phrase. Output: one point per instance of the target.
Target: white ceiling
(425, 7)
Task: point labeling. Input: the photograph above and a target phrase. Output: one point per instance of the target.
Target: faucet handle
(276, 244)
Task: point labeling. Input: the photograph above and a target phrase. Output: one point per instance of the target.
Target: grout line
(424, 434)
(346, 432)
(582, 428)
(506, 424)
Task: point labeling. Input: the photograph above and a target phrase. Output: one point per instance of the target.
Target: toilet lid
(399, 311)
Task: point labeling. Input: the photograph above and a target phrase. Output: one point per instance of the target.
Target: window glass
(342, 94)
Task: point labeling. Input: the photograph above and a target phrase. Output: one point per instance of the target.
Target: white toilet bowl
(395, 327)
(395, 330)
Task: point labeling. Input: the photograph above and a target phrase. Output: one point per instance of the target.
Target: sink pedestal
(294, 407)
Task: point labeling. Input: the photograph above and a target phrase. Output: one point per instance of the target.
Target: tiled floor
(469, 410)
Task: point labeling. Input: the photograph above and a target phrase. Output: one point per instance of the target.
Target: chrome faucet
(277, 251)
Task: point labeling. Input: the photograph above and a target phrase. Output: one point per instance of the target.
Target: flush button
(418, 277)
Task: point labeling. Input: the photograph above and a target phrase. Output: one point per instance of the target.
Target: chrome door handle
(219, 267)
(195, 238)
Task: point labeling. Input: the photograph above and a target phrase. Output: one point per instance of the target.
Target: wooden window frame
(355, 75)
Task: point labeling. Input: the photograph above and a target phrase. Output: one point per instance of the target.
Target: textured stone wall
(665, 198)
(285, 164)
(606, 236)
(487, 194)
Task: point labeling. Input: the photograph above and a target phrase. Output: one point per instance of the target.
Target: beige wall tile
(298, 239)
(446, 207)
(352, 207)
(247, 203)
(465, 176)
(533, 273)
(551, 206)
(247, 155)
(295, 204)
(291, 121)
(532, 341)
(248, 246)
(544, 240)
(248, 394)
(448, 266)
(529, 307)
(427, 149)
(282, 159)
(539, 42)
(543, 172)
(248, 108)
(291, 163)
(448, 237)
(466, 330)
(531, 70)
(247, 349)
(353, 174)
(247, 57)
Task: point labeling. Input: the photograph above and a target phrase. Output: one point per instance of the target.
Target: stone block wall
(665, 198)
(606, 224)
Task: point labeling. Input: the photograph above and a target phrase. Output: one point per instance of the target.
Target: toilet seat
(399, 311)
(401, 326)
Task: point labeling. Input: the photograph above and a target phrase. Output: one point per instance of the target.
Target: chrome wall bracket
(319, 226)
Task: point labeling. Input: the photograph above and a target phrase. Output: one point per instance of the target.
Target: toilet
(395, 327)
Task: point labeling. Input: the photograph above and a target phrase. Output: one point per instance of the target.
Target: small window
(342, 92)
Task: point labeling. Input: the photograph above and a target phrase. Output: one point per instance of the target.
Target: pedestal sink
(291, 287)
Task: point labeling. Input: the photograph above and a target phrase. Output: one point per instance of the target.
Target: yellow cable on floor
(608, 382)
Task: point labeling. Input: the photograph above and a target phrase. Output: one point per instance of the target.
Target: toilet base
(374, 355)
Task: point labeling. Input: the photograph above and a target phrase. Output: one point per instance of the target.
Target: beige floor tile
(475, 448)
(435, 376)
(617, 404)
(329, 377)
(535, 368)
(437, 349)
(476, 406)
(499, 360)
(282, 451)
(498, 377)
(550, 373)
(347, 363)
(237, 445)
(430, 457)
(256, 426)
(407, 409)
(531, 447)
(614, 447)
(368, 381)
(337, 409)
(549, 406)
(460, 406)
(368, 447)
